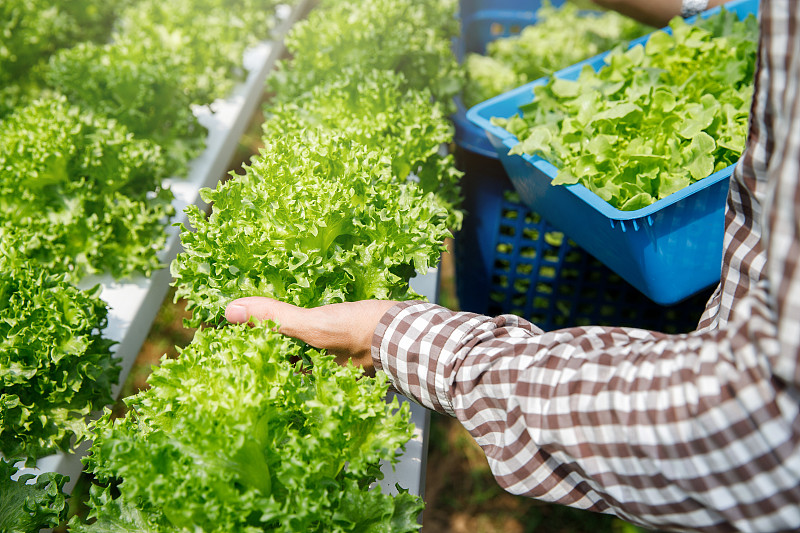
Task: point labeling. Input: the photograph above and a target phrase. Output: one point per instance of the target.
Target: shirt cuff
(417, 345)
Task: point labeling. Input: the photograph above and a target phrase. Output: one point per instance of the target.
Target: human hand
(344, 329)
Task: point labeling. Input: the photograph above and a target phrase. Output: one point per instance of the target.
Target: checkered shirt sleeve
(690, 432)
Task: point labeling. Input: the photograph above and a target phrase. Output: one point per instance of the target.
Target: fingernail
(236, 313)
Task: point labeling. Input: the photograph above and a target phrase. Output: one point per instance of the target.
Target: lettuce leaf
(110, 514)
(27, 507)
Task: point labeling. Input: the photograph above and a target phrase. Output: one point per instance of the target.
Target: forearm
(656, 13)
(660, 430)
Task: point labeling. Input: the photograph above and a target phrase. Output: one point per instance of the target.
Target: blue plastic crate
(668, 250)
(510, 260)
(483, 21)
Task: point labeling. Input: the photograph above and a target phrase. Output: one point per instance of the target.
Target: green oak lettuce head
(412, 37)
(55, 365)
(128, 82)
(376, 109)
(28, 505)
(315, 219)
(247, 430)
(34, 29)
(88, 193)
(205, 39)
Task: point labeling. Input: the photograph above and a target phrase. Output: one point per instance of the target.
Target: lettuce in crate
(650, 122)
(412, 37)
(562, 36)
(206, 38)
(249, 431)
(376, 109)
(55, 365)
(83, 188)
(315, 219)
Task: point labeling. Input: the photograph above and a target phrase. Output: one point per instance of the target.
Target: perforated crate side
(509, 260)
(540, 275)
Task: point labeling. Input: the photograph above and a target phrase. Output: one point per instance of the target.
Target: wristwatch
(690, 8)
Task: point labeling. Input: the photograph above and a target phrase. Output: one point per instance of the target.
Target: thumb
(344, 329)
(287, 316)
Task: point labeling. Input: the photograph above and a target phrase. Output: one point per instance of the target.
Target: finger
(322, 327)
(344, 329)
(260, 308)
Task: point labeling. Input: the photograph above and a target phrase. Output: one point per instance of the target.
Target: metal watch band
(689, 8)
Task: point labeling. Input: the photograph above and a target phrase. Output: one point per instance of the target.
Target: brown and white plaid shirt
(696, 431)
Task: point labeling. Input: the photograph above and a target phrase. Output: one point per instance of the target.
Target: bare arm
(654, 12)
